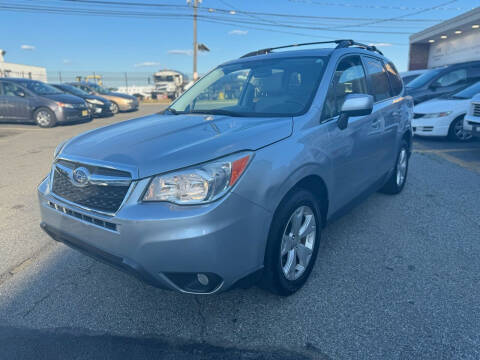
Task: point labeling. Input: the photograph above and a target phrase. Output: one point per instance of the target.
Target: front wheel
(292, 244)
(45, 118)
(396, 182)
(456, 131)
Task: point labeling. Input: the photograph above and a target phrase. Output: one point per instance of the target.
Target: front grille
(105, 224)
(417, 116)
(105, 198)
(476, 110)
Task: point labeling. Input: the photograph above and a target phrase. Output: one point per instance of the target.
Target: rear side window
(379, 85)
(395, 79)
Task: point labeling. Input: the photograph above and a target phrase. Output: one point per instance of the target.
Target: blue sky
(102, 43)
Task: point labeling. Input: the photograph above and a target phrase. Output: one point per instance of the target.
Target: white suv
(471, 123)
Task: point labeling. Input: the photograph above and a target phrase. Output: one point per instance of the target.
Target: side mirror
(354, 105)
(434, 86)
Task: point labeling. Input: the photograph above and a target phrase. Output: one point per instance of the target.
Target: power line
(83, 11)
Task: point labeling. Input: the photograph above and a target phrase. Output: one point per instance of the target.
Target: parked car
(24, 100)
(120, 102)
(408, 76)
(444, 116)
(97, 105)
(444, 80)
(217, 193)
(471, 123)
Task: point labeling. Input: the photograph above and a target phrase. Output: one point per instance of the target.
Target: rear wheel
(293, 243)
(456, 131)
(396, 182)
(44, 118)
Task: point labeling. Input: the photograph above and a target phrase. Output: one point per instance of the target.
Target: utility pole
(195, 46)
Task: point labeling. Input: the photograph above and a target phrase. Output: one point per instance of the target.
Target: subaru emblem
(80, 176)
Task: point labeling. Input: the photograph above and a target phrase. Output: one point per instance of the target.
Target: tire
(456, 132)
(114, 108)
(283, 248)
(397, 180)
(44, 118)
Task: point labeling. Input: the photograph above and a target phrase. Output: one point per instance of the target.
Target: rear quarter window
(395, 79)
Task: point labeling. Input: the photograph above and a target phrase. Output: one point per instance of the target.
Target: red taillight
(238, 167)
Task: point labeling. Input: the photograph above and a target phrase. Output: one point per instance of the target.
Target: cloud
(380, 44)
(67, 61)
(238, 32)
(180, 52)
(147, 64)
(27, 47)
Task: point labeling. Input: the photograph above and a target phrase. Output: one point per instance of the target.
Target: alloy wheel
(44, 118)
(459, 132)
(298, 242)
(402, 166)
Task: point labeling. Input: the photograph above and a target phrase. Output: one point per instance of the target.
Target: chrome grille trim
(87, 218)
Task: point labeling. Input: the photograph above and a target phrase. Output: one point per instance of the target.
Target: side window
(452, 78)
(349, 78)
(379, 85)
(395, 79)
(10, 89)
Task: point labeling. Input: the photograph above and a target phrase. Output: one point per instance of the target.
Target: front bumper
(432, 126)
(472, 125)
(163, 243)
(67, 115)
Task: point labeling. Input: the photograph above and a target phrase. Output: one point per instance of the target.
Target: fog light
(202, 279)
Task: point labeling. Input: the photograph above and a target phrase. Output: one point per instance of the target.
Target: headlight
(199, 184)
(60, 104)
(437, 115)
(94, 101)
(59, 149)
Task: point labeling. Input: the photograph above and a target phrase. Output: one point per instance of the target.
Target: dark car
(97, 105)
(444, 80)
(120, 102)
(25, 100)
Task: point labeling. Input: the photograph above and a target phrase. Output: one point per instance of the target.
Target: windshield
(164, 78)
(99, 89)
(72, 90)
(424, 78)
(468, 92)
(277, 87)
(40, 88)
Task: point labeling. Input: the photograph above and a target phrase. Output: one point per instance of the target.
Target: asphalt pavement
(396, 278)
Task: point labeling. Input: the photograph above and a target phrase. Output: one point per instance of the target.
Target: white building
(19, 70)
(452, 41)
(145, 90)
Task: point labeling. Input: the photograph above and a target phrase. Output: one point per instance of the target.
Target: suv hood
(159, 143)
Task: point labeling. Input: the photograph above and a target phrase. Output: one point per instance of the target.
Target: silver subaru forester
(233, 184)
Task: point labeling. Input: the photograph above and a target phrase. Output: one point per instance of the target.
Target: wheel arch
(317, 186)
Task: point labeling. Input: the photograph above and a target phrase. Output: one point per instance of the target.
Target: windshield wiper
(172, 110)
(216, 112)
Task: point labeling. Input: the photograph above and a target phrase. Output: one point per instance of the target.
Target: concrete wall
(23, 71)
(456, 49)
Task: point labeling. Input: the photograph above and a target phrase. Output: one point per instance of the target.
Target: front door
(14, 103)
(353, 150)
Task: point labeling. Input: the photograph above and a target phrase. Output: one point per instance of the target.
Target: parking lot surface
(395, 278)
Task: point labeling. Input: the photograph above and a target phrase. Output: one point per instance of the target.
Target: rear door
(353, 150)
(14, 106)
(385, 86)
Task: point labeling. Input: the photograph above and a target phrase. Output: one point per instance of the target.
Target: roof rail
(342, 43)
(348, 43)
